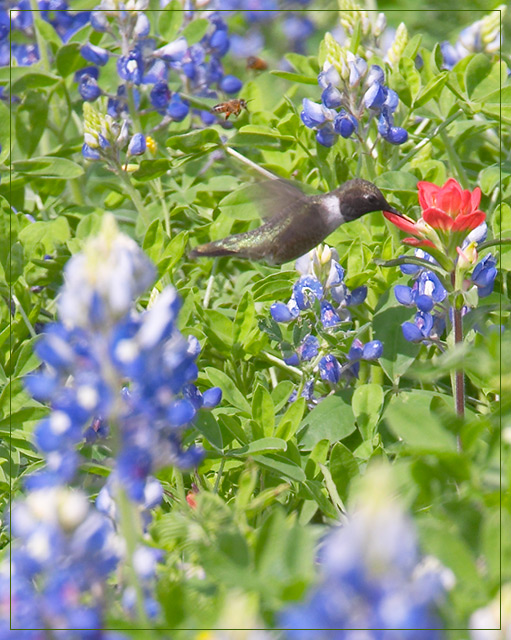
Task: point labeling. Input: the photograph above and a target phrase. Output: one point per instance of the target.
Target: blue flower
(326, 136)
(177, 108)
(306, 290)
(131, 67)
(230, 84)
(94, 54)
(331, 97)
(160, 95)
(308, 349)
(371, 576)
(137, 145)
(329, 317)
(329, 369)
(88, 88)
(372, 350)
(374, 97)
(281, 312)
(345, 124)
(397, 135)
(484, 274)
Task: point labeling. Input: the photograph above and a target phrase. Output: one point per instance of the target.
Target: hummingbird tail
(212, 250)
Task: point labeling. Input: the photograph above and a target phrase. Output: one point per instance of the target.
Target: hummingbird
(296, 222)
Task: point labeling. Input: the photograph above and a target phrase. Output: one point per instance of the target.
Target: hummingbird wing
(276, 198)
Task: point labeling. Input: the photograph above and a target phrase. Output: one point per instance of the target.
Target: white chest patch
(333, 212)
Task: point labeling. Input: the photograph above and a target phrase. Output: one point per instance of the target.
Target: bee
(230, 107)
(253, 62)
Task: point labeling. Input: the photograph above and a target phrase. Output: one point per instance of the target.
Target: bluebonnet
(352, 92)
(484, 274)
(130, 370)
(68, 549)
(481, 36)
(56, 12)
(144, 65)
(372, 576)
(320, 302)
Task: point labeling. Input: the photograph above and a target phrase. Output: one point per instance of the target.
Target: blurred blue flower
(137, 145)
(372, 577)
(484, 274)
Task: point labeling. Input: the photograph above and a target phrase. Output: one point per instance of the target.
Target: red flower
(450, 208)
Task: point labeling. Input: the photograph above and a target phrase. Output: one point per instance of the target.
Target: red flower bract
(450, 208)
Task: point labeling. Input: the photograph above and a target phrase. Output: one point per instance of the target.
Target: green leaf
(173, 253)
(49, 234)
(170, 21)
(367, 403)
(410, 417)
(397, 181)
(477, 70)
(412, 47)
(152, 169)
(281, 466)
(245, 319)
(193, 140)
(33, 81)
(432, 90)
(47, 31)
(262, 445)
(274, 287)
(49, 167)
(489, 178)
(343, 468)
(69, 59)
(229, 390)
(315, 490)
(26, 360)
(31, 118)
(398, 353)
(208, 426)
(411, 75)
(280, 395)
(263, 409)
(332, 419)
(295, 77)
(290, 421)
(15, 263)
(195, 30)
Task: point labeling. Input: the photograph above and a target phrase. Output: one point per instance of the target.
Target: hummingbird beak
(395, 212)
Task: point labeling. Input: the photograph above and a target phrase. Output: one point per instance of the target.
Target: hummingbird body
(297, 222)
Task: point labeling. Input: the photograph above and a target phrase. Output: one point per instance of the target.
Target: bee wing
(275, 198)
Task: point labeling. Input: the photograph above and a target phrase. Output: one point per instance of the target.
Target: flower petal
(469, 221)
(427, 193)
(475, 198)
(438, 219)
(417, 242)
(402, 222)
(449, 198)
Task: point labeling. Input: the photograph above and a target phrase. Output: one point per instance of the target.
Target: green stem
(131, 532)
(137, 127)
(44, 57)
(166, 215)
(219, 475)
(424, 141)
(459, 381)
(135, 196)
(180, 486)
(250, 163)
(22, 313)
(455, 160)
(280, 363)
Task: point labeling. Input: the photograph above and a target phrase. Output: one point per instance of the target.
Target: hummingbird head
(358, 197)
